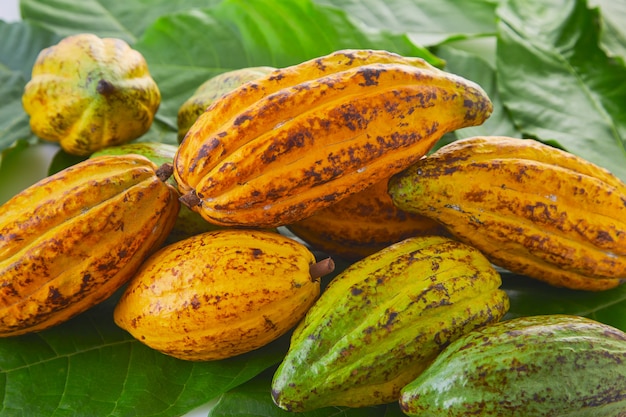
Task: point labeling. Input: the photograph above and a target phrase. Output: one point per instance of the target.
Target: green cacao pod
(72, 239)
(552, 365)
(530, 208)
(275, 150)
(382, 320)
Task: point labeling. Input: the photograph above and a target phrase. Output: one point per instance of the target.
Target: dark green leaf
(532, 297)
(559, 83)
(90, 367)
(253, 399)
(613, 36)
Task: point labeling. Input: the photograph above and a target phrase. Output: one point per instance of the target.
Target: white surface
(9, 10)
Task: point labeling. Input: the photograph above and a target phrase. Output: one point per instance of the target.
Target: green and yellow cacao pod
(219, 294)
(381, 321)
(211, 90)
(530, 208)
(362, 224)
(72, 239)
(550, 365)
(87, 93)
(275, 150)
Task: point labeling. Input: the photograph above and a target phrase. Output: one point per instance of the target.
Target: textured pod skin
(553, 365)
(529, 207)
(188, 222)
(382, 320)
(87, 93)
(362, 224)
(275, 150)
(72, 239)
(212, 89)
(219, 294)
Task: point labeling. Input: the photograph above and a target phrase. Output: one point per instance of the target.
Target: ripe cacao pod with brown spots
(362, 224)
(275, 150)
(220, 294)
(382, 320)
(211, 90)
(529, 207)
(72, 239)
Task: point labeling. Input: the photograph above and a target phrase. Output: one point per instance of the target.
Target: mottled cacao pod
(220, 294)
(381, 321)
(550, 365)
(72, 239)
(362, 224)
(275, 150)
(211, 90)
(530, 208)
(87, 93)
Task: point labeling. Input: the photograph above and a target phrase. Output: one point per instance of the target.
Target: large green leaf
(90, 367)
(426, 22)
(532, 297)
(237, 34)
(124, 19)
(557, 81)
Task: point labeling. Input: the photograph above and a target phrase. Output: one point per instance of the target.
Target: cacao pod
(212, 89)
(551, 365)
(219, 294)
(87, 93)
(529, 207)
(275, 150)
(188, 222)
(72, 239)
(381, 321)
(362, 224)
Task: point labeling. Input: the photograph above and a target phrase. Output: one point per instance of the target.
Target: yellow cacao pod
(362, 224)
(72, 239)
(531, 208)
(212, 89)
(275, 150)
(219, 294)
(381, 321)
(87, 93)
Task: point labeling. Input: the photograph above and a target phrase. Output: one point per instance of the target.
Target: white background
(9, 10)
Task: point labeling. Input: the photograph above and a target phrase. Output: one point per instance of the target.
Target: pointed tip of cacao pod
(321, 268)
(165, 171)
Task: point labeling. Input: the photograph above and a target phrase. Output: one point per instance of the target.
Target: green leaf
(23, 164)
(124, 19)
(237, 34)
(253, 399)
(557, 81)
(21, 43)
(613, 35)
(90, 367)
(531, 297)
(426, 22)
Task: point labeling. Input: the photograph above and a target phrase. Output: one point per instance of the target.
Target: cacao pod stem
(321, 268)
(190, 199)
(165, 171)
(106, 88)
